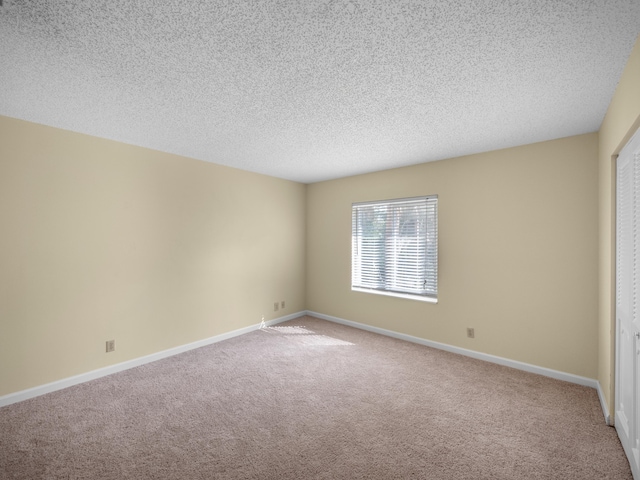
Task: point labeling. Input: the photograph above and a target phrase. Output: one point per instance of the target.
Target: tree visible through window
(395, 246)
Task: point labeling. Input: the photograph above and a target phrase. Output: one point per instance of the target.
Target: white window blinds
(395, 246)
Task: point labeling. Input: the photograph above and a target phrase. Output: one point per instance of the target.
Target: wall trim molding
(136, 362)
(604, 405)
(527, 367)
(119, 367)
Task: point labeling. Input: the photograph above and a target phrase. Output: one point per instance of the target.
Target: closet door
(627, 398)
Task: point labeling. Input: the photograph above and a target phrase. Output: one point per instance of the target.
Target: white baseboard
(119, 367)
(604, 405)
(102, 372)
(547, 372)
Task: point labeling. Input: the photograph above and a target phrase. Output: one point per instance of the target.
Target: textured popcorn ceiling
(310, 90)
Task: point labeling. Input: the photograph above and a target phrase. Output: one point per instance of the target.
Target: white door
(627, 398)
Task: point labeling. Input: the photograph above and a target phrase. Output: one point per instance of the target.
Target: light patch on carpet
(303, 336)
(289, 330)
(319, 340)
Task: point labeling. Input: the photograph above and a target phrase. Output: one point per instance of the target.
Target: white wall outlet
(276, 305)
(471, 333)
(282, 304)
(111, 345)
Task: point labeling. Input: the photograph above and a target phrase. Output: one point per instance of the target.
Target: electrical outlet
(111, 345)
(471, 333)
(282, 304)
(276, 305)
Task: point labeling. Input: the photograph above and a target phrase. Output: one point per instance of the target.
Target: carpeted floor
(310, 399)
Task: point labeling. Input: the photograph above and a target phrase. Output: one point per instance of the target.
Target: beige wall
(518, 239)
(621, 121)
(102, 240)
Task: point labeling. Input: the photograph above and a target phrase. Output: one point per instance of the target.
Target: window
(395, 247)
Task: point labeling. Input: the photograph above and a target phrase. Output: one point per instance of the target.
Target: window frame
(386, 218)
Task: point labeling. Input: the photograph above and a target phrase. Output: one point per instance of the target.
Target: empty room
(320, 239)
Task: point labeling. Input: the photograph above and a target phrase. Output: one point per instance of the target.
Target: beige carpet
(310, 399)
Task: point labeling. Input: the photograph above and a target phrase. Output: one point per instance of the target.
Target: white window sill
(407, 296)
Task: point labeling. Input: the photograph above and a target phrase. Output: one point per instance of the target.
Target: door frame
(633, 143)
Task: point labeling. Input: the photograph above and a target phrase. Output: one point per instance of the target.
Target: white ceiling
(310, 90)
